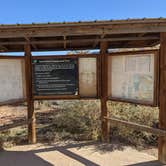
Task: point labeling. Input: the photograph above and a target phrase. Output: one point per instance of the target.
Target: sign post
(30, 101)
(104, 112)
(162, 104)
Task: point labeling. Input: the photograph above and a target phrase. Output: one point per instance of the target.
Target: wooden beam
(153, 37)
(141, 34)
(30, 101)
(81, 47)
(47, 31)
(155, 43)
(97, 41)
(14, 124)
(13, 102)
(103, 95)
(162, 98)
(136, 126)
(29, 41)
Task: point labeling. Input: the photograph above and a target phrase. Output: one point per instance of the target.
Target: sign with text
(132, 77)
(57, 76)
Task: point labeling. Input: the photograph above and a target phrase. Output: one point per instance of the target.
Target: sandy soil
(9, 114)
(75, 154)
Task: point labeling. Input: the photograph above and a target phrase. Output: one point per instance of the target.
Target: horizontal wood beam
(136, 126)
(49, 31)
(80, 40)
(75, 48)
(13, 102)
(14, 124)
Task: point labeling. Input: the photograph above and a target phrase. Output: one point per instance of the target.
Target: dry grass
(80, 120)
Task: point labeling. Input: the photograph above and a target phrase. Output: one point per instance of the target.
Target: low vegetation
(80, 120)
(138, 114)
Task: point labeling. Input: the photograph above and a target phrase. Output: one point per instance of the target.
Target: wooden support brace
(30, 101)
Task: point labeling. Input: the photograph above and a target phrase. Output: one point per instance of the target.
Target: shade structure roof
(130, 33)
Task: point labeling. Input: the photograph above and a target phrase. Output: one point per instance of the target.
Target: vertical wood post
(162, 98)
(103, 96)
(30, 101)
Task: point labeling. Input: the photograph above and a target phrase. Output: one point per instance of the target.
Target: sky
(42, 11)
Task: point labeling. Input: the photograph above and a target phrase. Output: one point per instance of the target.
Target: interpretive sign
(88, 77)
(12, 79)
(131, 77)
(57, 76)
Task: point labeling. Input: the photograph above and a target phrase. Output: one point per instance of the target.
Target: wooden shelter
(103, 35)
(129, 33)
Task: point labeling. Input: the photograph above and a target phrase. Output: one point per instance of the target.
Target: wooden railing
(136, 126)
(15, 124)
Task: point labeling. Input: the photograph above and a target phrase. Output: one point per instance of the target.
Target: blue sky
(41, 11)
(28, 11)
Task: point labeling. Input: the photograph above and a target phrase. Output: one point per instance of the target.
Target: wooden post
(30, 101)
(103, 96)
(162, 98)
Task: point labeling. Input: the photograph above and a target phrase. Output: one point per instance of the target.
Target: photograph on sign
(12, 82)
(57, 76)
(87, 77)
(132, 77)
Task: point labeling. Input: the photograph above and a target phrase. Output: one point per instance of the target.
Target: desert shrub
(12, 137)
(81, 120)
(134, 113)
(76, 119)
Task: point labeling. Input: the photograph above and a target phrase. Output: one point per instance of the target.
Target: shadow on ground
(149, 163)
(21, 158)
(15, 158)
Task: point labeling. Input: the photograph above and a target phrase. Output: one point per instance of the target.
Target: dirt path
(75, 154)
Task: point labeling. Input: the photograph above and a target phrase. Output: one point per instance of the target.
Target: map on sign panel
(132, 77)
